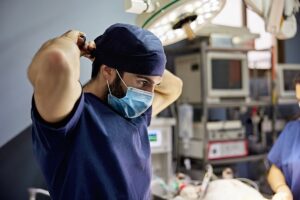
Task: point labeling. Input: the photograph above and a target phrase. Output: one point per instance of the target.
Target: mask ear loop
(121, 78)
(108, 87)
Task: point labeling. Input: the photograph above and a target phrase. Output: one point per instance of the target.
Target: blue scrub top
(95, 153)
(285, 154)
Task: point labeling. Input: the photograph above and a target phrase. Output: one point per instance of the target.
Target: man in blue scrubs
(92, 142)
(284, 174)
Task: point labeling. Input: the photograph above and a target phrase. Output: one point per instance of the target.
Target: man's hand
(75, 36)
(80, 39)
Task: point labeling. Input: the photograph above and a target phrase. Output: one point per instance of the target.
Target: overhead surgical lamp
(279, 16)
(174, 20)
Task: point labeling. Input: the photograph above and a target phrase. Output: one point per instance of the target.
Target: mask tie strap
(108, 87)
(121, 78)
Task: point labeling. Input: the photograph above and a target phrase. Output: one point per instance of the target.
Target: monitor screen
(226, 74)
(287, 73)
(289, 76)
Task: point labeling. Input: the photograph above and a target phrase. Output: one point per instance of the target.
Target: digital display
(226, 74)
(289, 76)
(155, 138)
(152, 137)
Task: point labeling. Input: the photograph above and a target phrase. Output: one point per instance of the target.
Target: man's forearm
(275, 178)
(167, 92)
(54, 73)
(278, 184)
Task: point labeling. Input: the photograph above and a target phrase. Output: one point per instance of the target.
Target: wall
(24, 26)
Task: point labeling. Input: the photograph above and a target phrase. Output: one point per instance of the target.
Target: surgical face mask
(133, 104)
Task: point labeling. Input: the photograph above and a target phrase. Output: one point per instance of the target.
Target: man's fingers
(88, 49)
(81, 42)
(91, 45)
(77, 36)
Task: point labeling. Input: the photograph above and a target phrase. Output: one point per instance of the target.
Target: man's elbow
(56, 62)
(50, 63)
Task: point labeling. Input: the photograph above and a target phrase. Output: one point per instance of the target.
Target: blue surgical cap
(131, 49)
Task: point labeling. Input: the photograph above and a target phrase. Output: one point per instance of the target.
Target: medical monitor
(227, 75)
(286, 77)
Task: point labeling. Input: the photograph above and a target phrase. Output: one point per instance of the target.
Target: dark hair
(95, 69)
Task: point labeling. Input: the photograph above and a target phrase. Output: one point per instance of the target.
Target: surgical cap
(131, 49)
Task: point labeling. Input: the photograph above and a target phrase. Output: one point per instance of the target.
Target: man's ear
(108, 73)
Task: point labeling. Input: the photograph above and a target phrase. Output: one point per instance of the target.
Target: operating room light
(176, 20)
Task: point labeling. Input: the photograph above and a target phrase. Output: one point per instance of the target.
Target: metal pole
(203, 65)
(274, 95)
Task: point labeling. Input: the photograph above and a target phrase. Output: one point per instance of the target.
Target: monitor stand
(282, 100)
(228, 100)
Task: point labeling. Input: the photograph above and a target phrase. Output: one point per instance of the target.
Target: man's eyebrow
(148, 79)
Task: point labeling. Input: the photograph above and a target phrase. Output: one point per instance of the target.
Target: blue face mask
(133, 104)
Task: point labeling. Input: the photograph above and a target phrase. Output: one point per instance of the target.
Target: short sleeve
(280, 149)
(61, 128)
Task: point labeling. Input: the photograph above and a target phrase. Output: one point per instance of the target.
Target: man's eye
(143, 83)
